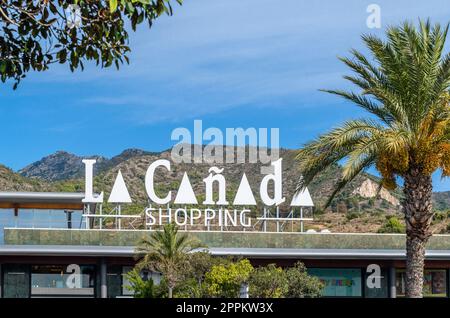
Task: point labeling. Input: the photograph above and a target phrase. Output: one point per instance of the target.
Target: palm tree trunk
(418, 215)
(170, 292)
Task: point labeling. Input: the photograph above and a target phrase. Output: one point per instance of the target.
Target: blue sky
(231, 63)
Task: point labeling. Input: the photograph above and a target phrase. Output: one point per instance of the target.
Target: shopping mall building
(46, 237)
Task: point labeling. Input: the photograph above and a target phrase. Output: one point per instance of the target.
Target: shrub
(384, 204)
(301, 284)
(141, 288)
(392, 225)
(268, 282)
(439, 217)
(226, 280)
(352, 215)
(341, 207)
(445, 230)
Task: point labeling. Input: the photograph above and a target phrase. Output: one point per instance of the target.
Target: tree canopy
(166, 252)
(36, 33)
(404, 89)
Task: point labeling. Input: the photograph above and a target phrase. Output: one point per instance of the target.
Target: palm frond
(405, 87)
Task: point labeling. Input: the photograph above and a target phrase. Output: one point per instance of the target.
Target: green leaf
(2, 67)
(130, 7)
(112, 5)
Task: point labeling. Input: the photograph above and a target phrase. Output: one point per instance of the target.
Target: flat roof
(42, 200)
(125, 251)
(41, 197)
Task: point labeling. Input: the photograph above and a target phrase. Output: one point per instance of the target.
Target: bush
(439, 217)
(384, 204)
(225, 280)
(319, 211)
(445, 230)
(268, 282)
(301, 284)
(141, 288)
(341, 207)
(352, 215)
(392, 225)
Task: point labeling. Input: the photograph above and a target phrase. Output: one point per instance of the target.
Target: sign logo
(216, 204)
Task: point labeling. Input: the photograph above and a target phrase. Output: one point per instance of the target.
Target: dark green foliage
(268, 282)
(166, 252)
(392, 225)
(35, 34)
(439, 216)
(301, 284)
(352, 215)
(141, 288)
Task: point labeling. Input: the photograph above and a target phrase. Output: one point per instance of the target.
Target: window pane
(25, 218)
(125, 282)
(63, 280)
(339, 282)
(58, 219)
(41, 219)
(16, 281)
(7, 219)
(434, 285)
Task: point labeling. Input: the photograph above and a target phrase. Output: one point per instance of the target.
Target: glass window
(25, 218)
(7, 219)
(77, 221)
(114, 281)
(16, 280)
(125, 282)
(58, 219)
(40, 218)
(434, 285)
(62, 280)
(339, 282)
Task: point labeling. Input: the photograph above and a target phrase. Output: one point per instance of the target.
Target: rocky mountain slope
(11, 181)
(65, 166)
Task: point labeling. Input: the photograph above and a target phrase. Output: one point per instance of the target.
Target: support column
(392, 289)
(278, 221)
(302, 229)
(103, 285)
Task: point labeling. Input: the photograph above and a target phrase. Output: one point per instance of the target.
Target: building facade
(48, 250)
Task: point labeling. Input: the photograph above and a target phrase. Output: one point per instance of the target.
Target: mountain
(63, 165)
(123, 156)
(11, 181)
(441, 200)
(58, 166)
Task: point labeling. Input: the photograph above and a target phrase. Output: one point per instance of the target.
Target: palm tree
(404, 87)
(166, 252)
